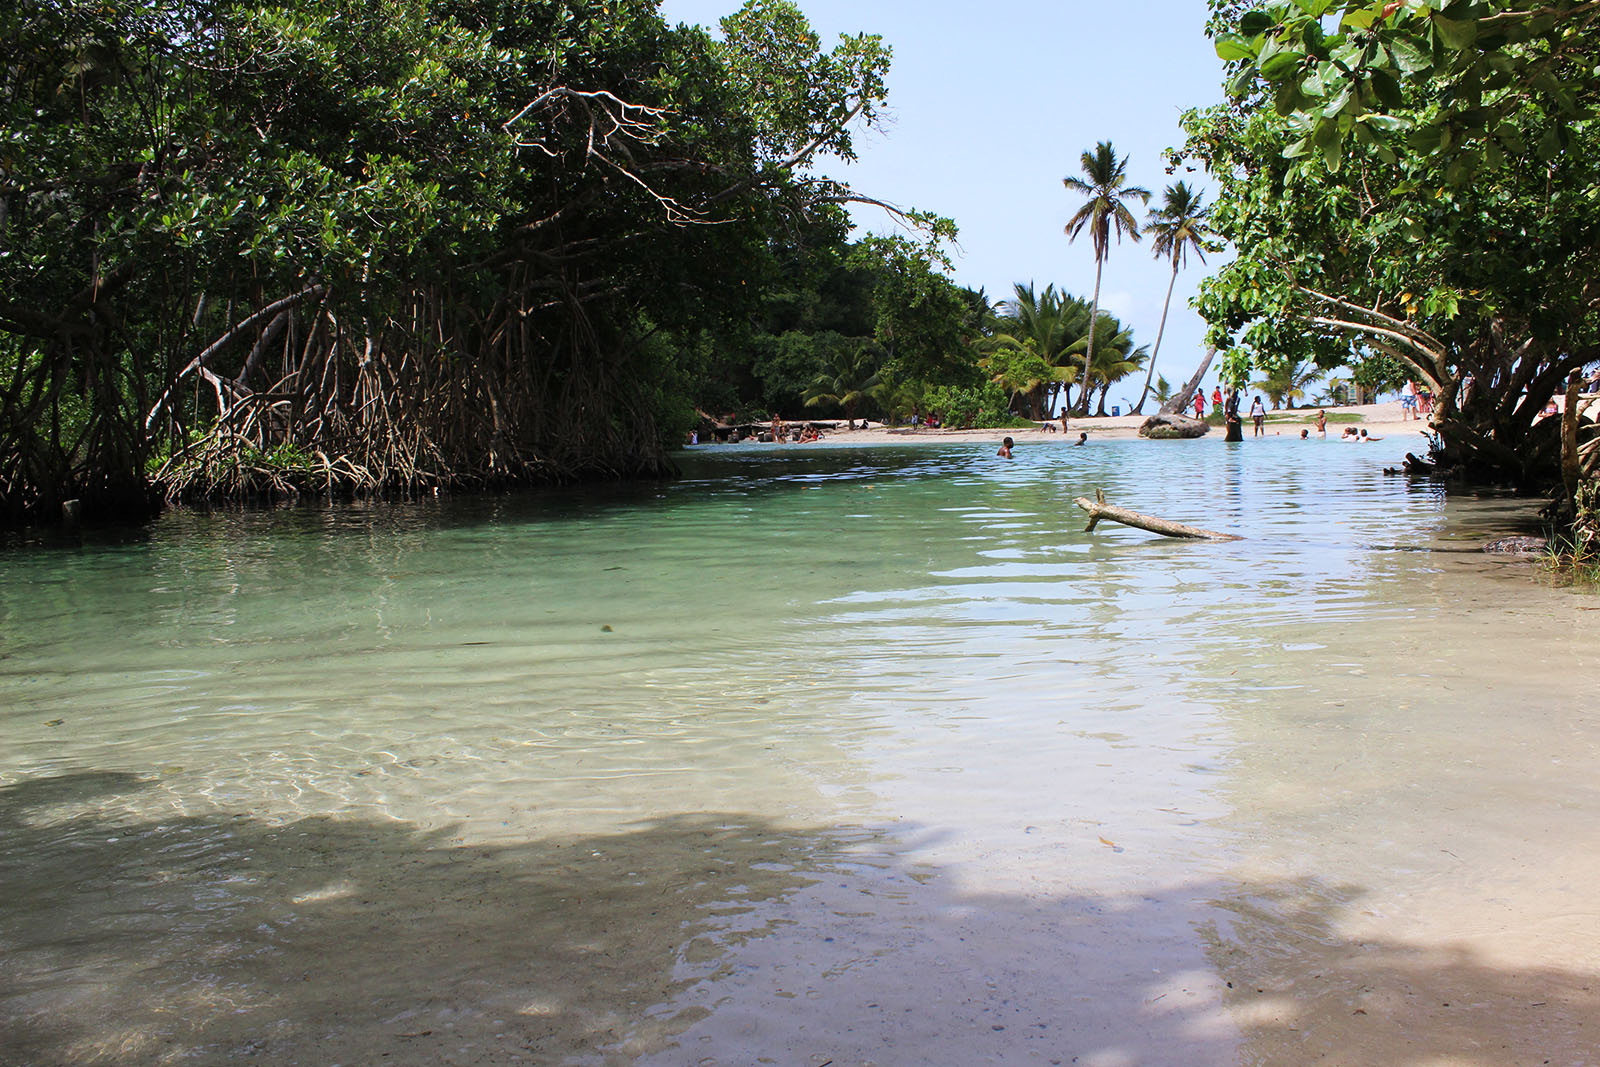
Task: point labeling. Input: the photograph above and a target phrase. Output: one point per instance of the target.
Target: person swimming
(1083, 439)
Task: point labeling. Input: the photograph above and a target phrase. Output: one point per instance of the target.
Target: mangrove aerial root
(1098, 509)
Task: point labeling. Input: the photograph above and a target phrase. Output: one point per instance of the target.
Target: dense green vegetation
(1414, 189)
(248, 245)
(256, 247)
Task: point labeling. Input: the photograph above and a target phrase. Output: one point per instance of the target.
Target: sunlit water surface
(817, 755)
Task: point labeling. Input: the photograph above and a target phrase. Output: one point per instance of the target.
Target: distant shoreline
(1379, 420)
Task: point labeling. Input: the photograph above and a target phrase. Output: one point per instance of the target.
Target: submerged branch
(1098, 509)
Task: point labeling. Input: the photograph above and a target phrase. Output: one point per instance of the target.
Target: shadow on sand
(715, 938)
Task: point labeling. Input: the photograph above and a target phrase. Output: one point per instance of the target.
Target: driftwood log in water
(1098, 509)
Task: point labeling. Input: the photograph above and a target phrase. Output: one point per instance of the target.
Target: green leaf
(1231, 48)
(1282, 63)
(1297, 149)
(1457, 34)
(1240, 83)
(1385, 123)
(1336, 105)
(1386, 87)
(1462, 168)
(1254, 22)
(1550, 144)
(1425, 138)
(1358, 20)
(1288, 99)
(1410, 54)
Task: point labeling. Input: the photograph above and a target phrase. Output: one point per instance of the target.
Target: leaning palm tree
(1179, 401)
(1179, 224)
(1103, 214)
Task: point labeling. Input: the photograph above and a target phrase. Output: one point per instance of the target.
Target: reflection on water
(816, 753)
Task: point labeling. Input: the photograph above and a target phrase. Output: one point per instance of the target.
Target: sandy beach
(1379, 420)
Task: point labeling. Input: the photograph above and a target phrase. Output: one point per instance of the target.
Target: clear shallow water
(816, 753)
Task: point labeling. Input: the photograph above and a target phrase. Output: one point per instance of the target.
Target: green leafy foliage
(969, 407)
(1381, 183)
(448, 242)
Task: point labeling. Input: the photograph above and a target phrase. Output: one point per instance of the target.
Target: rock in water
(1518, 546)
(1163, 427)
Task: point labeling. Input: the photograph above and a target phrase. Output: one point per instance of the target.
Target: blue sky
(991, 105)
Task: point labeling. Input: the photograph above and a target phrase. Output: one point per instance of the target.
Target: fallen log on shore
(1098, 509)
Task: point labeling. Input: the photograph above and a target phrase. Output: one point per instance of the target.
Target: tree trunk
(1094, 319)
(1150, 373)
(1098, 509)
(1181, 399)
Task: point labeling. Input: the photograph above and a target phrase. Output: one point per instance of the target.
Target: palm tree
(1179, 401)
(1179, 225)
(1288, 383)
(1114, 359)
(1162, 390)
(1049, 323)
(851, 376)
(1103, 214)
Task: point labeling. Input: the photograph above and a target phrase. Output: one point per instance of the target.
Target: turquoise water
(817, 753)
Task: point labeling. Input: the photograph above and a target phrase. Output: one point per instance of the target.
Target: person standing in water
(1005, 448)
(1258, 415)
(1322, 423)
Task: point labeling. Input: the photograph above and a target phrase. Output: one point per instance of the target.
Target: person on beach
(1408, 400)
(1216, 398)
(1005, 449)
(1063, 420)
(1258, 415)
(1199, 405)
(1322, 424)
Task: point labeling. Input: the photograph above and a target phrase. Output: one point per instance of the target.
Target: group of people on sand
(1228, 403)
(1416, 401)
